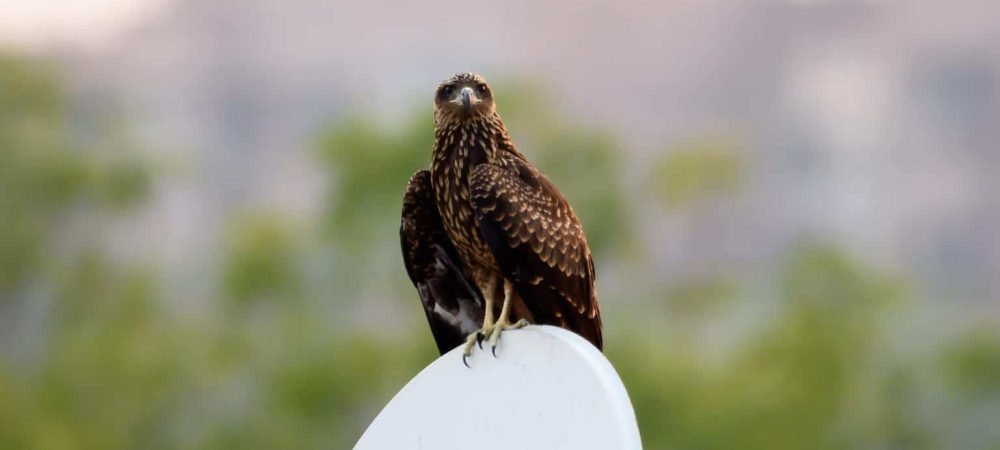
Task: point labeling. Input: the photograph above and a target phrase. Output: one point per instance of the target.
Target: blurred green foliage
(42, 177)
(259, 260)
(96, 354)
(794, 383)
(697, 170)
(701, 297)
(371, 166)
(973, 363)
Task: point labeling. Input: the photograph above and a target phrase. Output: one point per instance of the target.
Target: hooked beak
(467, 96)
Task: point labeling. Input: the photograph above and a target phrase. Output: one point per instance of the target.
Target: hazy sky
(87, 23)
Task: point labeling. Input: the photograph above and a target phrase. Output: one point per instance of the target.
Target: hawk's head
(464, 95)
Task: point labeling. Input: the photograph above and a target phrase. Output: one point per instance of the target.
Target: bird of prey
(488, 241)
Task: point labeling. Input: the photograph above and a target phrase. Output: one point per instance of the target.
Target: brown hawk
(485, 235)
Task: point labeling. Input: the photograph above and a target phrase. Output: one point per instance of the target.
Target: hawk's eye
(447, 90)
(481, 88)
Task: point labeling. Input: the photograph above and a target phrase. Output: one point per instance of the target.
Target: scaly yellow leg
(503, 323)
(488, 324)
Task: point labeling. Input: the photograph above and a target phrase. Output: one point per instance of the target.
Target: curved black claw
(464, 356)
(479, 339)
(494, 350)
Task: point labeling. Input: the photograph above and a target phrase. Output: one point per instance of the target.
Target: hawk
(488, 241)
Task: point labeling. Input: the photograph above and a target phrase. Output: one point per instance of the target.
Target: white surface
(547, 389)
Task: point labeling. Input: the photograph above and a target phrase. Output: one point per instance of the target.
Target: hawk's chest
(450, 178)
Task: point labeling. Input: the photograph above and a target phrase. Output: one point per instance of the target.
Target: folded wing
(452, 303)
(539, 245)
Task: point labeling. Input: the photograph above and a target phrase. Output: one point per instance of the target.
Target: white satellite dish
(547, 389)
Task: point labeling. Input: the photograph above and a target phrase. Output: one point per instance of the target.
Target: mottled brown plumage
(502, 229)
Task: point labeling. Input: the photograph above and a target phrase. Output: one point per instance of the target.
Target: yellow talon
(491, 330)
(503, 324)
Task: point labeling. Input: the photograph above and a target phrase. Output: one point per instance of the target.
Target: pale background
(793, 207)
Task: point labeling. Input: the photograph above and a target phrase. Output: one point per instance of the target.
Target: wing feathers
(538, 243)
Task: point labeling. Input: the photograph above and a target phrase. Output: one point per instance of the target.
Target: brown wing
(452, 303)
(539, 245)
